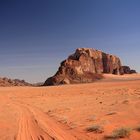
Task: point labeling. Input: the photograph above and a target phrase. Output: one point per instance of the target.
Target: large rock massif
(86, 65)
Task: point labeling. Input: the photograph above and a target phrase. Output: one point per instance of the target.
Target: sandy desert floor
(69, 112)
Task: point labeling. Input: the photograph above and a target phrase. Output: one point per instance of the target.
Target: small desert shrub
(125, 102)
(63, 120)
(137, 128)
(95, 128)
(119, 133)
(111, 113)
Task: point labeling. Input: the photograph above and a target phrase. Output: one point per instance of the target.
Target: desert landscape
(69, 70)
(92, 111)
(92, 96)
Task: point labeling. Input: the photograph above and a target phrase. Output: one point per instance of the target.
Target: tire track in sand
(36, 125)
(29, 128)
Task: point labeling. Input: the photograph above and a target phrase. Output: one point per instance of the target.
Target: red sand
(64, 112)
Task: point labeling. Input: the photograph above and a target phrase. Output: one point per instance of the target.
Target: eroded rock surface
(85, 65)
(13, 82)
(127, 70)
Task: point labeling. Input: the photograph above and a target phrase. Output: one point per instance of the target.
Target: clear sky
(36, 35)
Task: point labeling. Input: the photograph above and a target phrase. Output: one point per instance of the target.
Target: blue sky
(36, 35)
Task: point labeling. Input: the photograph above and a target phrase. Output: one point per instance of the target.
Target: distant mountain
(13, 82)
(87, 65)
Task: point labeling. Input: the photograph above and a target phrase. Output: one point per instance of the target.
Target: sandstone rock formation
(127, 70)
(15, 82)
(85, 65)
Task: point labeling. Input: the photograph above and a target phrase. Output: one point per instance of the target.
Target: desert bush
(119, 133)
(111, 113)
(95, 128)
(137, 128)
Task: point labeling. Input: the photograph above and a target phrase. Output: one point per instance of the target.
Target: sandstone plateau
(87, 65)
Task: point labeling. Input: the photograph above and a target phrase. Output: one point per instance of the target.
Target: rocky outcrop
(133, 71)
(15, 82)
(85, 65)
(127, 70)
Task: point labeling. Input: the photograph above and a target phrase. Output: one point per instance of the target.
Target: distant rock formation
(85, 65)
(127, 70)
(15, 82)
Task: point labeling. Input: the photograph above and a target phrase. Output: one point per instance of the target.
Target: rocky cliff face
(85, 65)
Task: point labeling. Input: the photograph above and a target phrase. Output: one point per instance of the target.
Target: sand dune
(65, 112)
